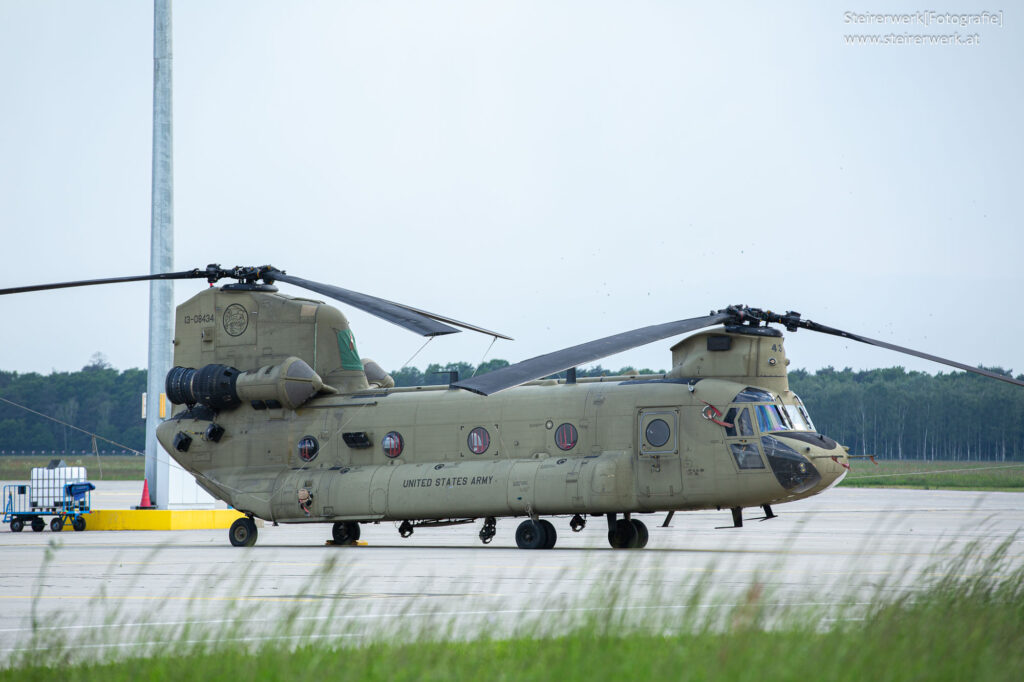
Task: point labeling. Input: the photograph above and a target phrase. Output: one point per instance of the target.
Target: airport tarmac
(102, 592)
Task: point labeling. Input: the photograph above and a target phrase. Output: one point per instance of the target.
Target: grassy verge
(966, 623)
(108, 468)
(937, 475)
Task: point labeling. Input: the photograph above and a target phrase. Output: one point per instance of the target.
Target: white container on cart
(48, 485)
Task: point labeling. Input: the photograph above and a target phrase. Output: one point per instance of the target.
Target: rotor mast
(161, 259)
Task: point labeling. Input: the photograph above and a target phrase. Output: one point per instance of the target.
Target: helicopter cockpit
(757, 412)
(769, 413)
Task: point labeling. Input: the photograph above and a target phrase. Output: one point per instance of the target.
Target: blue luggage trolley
(74, 503)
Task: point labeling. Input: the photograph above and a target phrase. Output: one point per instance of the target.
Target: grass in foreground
(957, 628)
(937, 475)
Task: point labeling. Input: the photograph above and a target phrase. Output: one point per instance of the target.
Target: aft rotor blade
(544, 365)
(814, 326)
(386, 310)
(442, 318)
(191, 274)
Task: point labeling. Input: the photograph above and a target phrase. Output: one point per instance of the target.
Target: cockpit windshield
(802, 411)
(753, 395)
(771, 418)
(798, 415)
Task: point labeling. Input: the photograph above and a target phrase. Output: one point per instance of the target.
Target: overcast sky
(557, 171)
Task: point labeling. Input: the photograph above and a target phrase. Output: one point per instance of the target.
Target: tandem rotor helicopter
(278, 415)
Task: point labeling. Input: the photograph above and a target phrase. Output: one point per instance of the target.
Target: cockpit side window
(747, 456)
(739, 417)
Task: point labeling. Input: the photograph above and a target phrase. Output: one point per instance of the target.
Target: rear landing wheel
(530, 535)
(550, 534)
(642, 536)
(243, 532)
(345, 532)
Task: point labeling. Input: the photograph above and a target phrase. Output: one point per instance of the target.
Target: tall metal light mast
(161, 293)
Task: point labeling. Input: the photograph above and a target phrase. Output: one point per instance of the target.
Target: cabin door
(659, 471)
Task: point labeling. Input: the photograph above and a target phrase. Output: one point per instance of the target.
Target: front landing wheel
(243, 532)
(623, 535)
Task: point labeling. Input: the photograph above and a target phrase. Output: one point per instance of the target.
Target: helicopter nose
(824, 460)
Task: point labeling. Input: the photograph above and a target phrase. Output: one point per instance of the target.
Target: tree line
(890, 412)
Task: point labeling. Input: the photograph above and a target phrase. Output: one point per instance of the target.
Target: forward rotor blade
(191, 274)
(544, 365)
(404, 317)
(814, 326)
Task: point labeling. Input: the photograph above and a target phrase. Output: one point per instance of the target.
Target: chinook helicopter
(278, 415)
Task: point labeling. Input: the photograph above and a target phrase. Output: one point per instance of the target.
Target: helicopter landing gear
(737, 517)
(488, 531)
(243, 532)
(577, 523)
(550, 534)
(405, 530)
(345, 532)
(768, 513)
(627, 533)
(535, 534)
(642, 536)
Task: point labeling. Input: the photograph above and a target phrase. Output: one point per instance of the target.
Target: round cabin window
(657, 433)
(566, 437)
(308, 448)
(392, 444)
(479, 440)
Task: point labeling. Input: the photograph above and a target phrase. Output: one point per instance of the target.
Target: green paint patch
(347, 347)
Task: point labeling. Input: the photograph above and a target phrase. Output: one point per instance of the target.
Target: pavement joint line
(424, 614)
(193, 641)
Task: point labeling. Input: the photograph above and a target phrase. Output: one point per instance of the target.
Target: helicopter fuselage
(282, 419)
(619, 445)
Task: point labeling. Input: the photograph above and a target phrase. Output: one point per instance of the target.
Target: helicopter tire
(624, 535)
(38, 525)
(530, 535)
(78, 523)
(345, 532)
(550, 534)
(243, 532)
(642, 536)
(17, 525)
(57, 524)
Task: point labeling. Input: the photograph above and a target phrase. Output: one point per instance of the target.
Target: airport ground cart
(25, 506)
